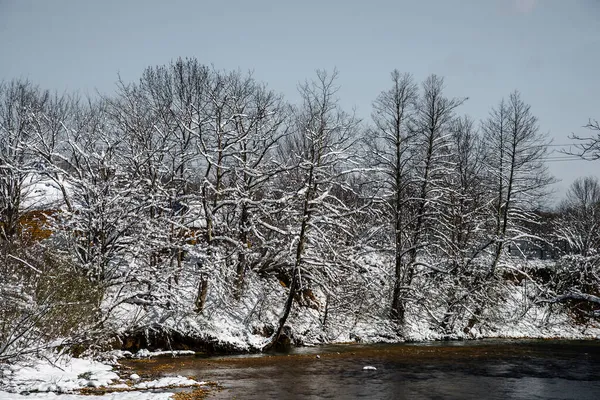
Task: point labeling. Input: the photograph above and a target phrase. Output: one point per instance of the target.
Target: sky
(549, 50)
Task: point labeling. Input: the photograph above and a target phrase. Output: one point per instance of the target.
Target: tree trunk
(242, 261)
(202, 291)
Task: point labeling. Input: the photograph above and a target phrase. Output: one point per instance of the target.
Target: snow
(65, 375)
(517, 316)
(39, 192)
(107, 396)
(168, 381)
(118, 354)
(189, 229)
(61, 379)
(145, 353)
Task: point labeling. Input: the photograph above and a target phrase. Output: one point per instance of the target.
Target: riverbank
(514, 318)
(514, 304)
(67, 377)
(150, 332)
(160, 375)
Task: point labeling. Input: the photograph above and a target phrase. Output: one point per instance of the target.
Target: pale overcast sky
(547, 49)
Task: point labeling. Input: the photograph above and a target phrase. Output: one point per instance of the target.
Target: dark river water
(488, 369)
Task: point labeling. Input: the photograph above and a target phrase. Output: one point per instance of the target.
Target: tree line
(195, 190)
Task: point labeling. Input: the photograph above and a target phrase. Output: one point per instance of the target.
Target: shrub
(46, 301)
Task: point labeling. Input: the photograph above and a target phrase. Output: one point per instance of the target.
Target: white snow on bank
(517, 316)
(145, 353)
(65, 375)
(37, 378)
(245, 325)
(108, 396)
(168, 381)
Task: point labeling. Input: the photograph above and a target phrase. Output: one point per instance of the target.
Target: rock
(143, 353)
(318, 357)
(369, 368)
(134, 377)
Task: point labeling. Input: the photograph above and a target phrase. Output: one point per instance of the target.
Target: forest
(197, 208)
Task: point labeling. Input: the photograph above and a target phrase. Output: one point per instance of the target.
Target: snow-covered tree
(45, 297)
(465, 209)
(579, 217)
(20, 103)
(391, 151)
(518, 176)
(463, 224)
(319, 152)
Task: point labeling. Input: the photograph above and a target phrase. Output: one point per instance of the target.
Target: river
(486, 369)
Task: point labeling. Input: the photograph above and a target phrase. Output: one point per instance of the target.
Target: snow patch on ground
(40, 192)
(107, 396)
(40, 378)
(169, 381)
(516, 316)
(145, 353)
(63, 376)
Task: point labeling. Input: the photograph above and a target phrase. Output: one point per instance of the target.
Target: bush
(578, 274)
(45, 301)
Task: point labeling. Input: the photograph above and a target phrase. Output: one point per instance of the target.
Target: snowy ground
(241, 326)
(109, 396)
(62, 379)
(516, 316)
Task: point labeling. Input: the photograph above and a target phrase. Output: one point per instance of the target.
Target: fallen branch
(572, 296)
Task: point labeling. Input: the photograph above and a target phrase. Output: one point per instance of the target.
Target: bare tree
(432, 126)
(430, 163)
(260, 117)
(20, 102)
(391, 152)
(588, 147)
(575, 280)
(579, 221)
(518, 176)
(41, 292)
(465, 211)
(318, 148)
(463, 222)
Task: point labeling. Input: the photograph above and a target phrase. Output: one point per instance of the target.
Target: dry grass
(197, 393)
